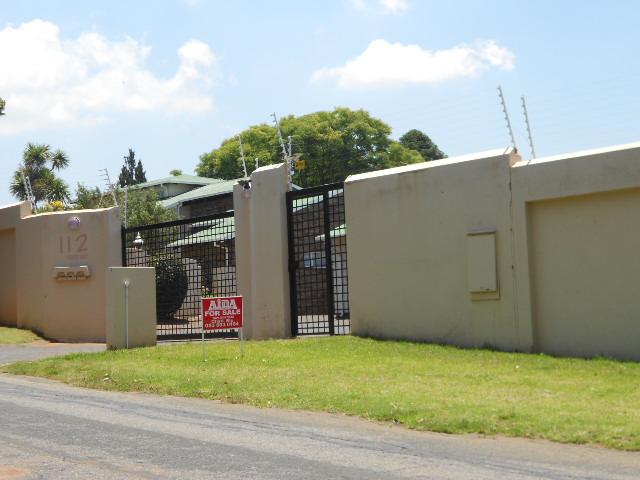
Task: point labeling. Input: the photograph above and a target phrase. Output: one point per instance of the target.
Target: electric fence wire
(568, 117)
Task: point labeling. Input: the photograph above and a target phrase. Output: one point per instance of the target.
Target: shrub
(172, 284)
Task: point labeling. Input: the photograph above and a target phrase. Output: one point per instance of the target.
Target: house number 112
(75, 245)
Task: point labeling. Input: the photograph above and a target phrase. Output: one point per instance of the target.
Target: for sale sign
(221, 313)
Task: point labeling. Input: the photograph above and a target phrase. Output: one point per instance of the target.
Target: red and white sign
(221, 313)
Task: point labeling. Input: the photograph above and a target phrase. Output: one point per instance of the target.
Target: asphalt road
(52, 431)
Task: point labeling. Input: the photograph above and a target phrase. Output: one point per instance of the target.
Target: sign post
(222, 313)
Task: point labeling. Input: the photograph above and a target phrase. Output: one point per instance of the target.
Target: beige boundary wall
(37, 251)
(489, 250)
(10, 217)
(261, 253)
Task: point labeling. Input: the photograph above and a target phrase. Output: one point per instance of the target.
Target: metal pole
(506, 117)
(328, 261)
(526, 120)
(241, 342)
(126, 205)
(126, 312)
(244, 164)
(290, 163)
(280, 139)
(286, 156)
(28, 190)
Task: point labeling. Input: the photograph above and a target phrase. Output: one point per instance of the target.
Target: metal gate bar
(317, 261)
(194, 257)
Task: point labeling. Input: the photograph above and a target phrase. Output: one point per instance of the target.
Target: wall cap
(416, 167)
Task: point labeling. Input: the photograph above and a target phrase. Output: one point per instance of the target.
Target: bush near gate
(172, 284)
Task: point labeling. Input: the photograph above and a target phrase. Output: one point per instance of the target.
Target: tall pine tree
(131, 172)
(140, 176)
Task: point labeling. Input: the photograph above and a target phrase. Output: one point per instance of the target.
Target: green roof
(305, 202)
(209, 223)
(220, 230)
(340, 231)
(180, 180)
(219, 188)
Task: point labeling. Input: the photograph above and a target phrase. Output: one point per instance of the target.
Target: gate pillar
(262, 254)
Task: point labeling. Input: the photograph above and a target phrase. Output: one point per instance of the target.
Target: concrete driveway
(43, 349)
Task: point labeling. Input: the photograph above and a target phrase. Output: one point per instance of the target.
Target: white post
(126, 312)
(126, 206)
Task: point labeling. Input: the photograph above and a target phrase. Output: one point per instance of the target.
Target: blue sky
(173, 78)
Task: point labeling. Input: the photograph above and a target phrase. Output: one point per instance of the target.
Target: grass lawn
(12, 336)
(426, 387)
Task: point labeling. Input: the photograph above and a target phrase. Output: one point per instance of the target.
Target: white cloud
(49, 80)
(394, 6)
(389, 64)
(192, 3)
(381, 6)
(358, 4)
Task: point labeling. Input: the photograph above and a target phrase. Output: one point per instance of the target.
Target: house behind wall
(488, 250)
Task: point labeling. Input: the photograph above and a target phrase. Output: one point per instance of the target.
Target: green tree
(420, 142)
(127, 172)
(142, 205)
(331, 145)
(176, 172)
(40, 164)
(144, 209)
(336, 144)
(399, 155)
(259, 142)
(132, 172)
(89, 198)
(140, 176)
(3, 104)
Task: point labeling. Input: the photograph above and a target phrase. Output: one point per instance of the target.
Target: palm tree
(39, 164)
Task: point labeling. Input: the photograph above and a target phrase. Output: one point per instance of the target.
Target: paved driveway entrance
(44, 349)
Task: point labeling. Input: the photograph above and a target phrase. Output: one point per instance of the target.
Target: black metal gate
(193, 258)
(318, 261)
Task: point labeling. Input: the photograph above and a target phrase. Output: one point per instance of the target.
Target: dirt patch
(12, 473)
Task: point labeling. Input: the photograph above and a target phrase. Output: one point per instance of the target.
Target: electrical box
(481, 262)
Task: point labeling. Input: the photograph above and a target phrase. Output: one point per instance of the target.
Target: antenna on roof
(31, 198)
(506, 117)
(526, 120)
(110, 187)
(244, 164)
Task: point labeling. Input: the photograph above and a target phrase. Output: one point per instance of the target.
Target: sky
(171, 79)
